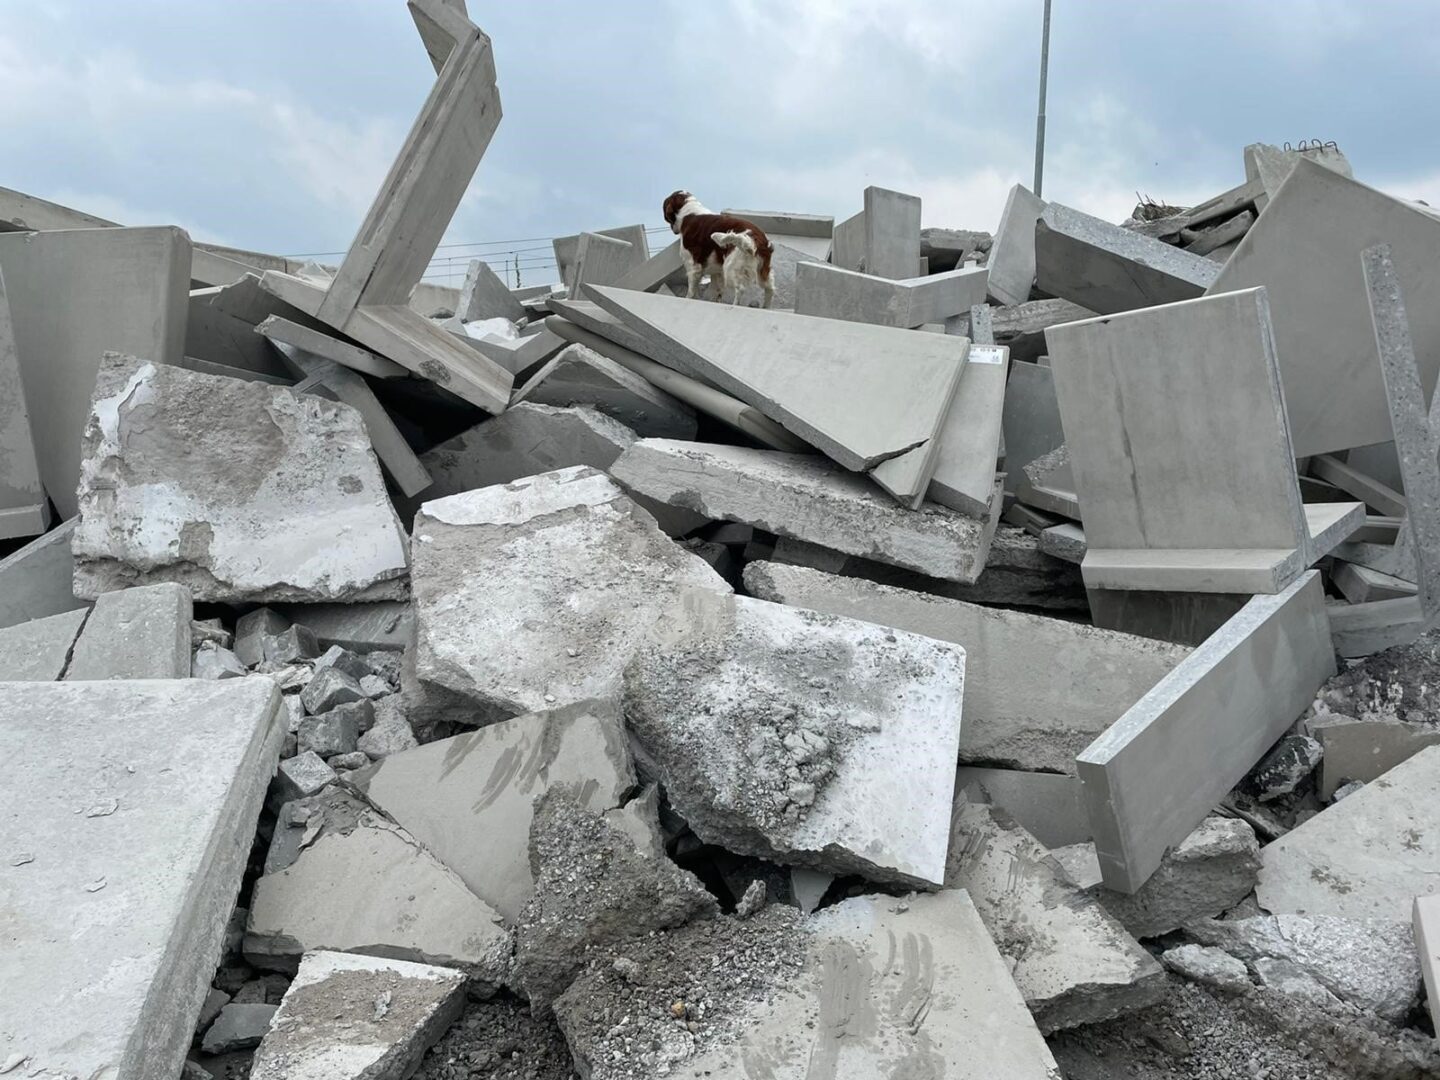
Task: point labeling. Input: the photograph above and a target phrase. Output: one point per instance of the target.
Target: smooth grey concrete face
(1365, 750)
(567, 247)
(833, 293)
(1181, 617)
(216, 335)
(665, 268)
(892, 233)
(39, 650)
(1305, 249)
(808, 498)
(964, 476)
(123, 867)
(280, 329)
(22, 496)
(1426, 919)
(36, 580)
(1030, 422)
(581, 376)
(1010, 716)
(847, 249)
(73, 295)
(601, 260)
(1154, 775)
(471, 798)
(521, 355)
(139, 633)
(485, 296)
(385, 624)
(1045, 805)
(1365, 857)
(251, 508)
(1012, 256)
(836, 385)
(1109, 269)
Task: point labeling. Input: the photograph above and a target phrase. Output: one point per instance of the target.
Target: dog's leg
(693, 271)
(769, 287)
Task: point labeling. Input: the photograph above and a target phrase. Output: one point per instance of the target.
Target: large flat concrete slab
(485, 296)
(1010, 716)
(964, 477)
(1030, 421)
(601, 260)
(892, 233)
(279, 329)
(861, 394)
(39, 650)
(1108, 269)
(120, 868)
(1305, 249)
(1012, 255)
(139, 633)
(75, 294)
(808, 498)
(251, 508)
(1365, 857)
(1153, 776)
(23, 509)
(804, 738)
(36, 580)
(1046, 805)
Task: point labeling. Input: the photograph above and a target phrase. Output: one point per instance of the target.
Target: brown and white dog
(733, 251)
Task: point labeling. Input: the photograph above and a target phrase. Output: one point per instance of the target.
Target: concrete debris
(215, 662)
(804, 738)
(1210, 966)
(391, 732)
(348, 1017)
(291, 644)
(238, 1027)
(40, 650)
(37, 580)
(581, 376)
(1285, 767)
(141, 633)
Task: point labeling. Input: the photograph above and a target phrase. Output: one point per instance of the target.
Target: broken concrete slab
(37, 579)
(1304, 249)
(136, 863)
(580, 376)
(140, 633)
(773, 1010)
(1366, 857)
(862, 394)
(73, 295)
(566, 248)
(1030, 422)
(1072, 961)
(150, 515)
(470, 798)
(1012, 256)
(384, 624)
(1272, 165)
(1172, 501)
(1208, 966)
(1426, 927)
(1046, 805)
(24, 510)
(1201, 728)
(733, 701)
(601, 260)
(1109, 269)
(485, 296)
(216, 662)
(39, 650)
(520, 355)
(348, 1017)
(346, 353)
(964, 477)
(892, 233)
(1022, 327)
(808, 498)
(1010, 717)
(363, 884)
(240, 1026)
(831, 292)
(498, 597)
(1365, 750)
(1369, 963)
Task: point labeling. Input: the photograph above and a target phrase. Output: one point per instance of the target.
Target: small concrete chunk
(302, 776)
(1209, 966)
(213, 662)
(581, 376)
(349, 1017)
(1367, 857)
(1369, 963)
(238, 1027)
(251, 630)
(140, 633)
(1289, 978)
(802, 738)
(470, 799)
(484, 296)
(250, 510)
(594, 886)
(374, 687)
(39, 650)
(343, 660)
(391, 733)
(293, 644)
(533, 595)
(1073, 961)
(334, 732)
(330, 687)
(807, 498)
(38, 580)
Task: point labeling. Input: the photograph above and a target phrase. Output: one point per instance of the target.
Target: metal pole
(1040, 116)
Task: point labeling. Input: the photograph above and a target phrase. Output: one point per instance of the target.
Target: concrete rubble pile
(1001, 644)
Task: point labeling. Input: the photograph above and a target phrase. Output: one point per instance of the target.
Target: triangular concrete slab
(862, 394)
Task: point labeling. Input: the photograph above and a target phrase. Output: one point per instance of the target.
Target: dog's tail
(734, 239)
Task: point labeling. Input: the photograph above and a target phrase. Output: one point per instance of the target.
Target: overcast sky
(268, 124)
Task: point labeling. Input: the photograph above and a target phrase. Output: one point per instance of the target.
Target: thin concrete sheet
(1012, 255)
(964, 476)
(828, 291)
(1305, 249)
(566, 247)
(1152, 777)
(283, 331)
(847, 248)
(485, 296)
(74, 294)
(602, 260)
(892, 233)
(860, 393)
(121, 868)
(1030, 423)
(36, 581)
(23, 509)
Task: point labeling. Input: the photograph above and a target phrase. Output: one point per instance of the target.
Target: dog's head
(672, 207)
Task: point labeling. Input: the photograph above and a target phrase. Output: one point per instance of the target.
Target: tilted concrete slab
(581, 376)
(1365, 750)
(39, 650)
(808, 498)
(74, 294)
(280, 329)
(804, 738)
(892, 233)
(520, 355)
(1010, 717)
(601, 260)
(1012, 256)
(859, 393)
(964, 476)
(140, 633)
(665, 268)
(847, 248)
(121, 865)
(1365, 857)
(249, 511)
(23, 508)
(1071, 959)
(508, 578)
(834, 293)
(385, 624)
(1108, 269)
(1305, 249)
(1426, 921)
(470, 798)
(37, 580)
(1163, 486)
(1046, 805)
(566, 248)
(1030, 422)
(1272, 165)
(485, 296)
(1153, 776)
